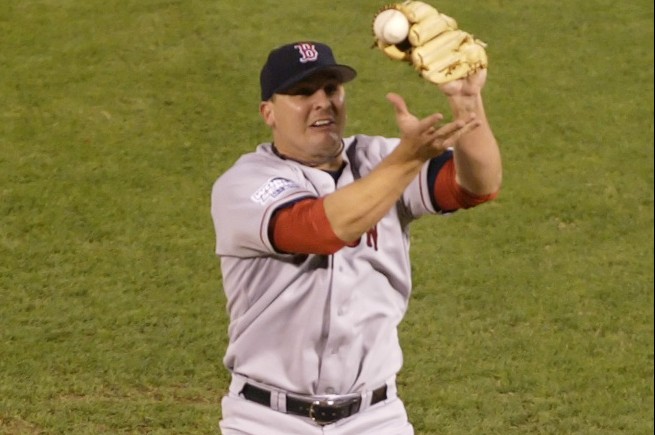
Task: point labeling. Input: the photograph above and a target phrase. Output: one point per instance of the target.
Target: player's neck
(332, 163)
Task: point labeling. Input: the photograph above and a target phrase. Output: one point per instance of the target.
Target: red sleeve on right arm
(451, 196)
(303, 228)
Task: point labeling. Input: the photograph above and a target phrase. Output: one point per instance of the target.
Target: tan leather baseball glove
(434, 45)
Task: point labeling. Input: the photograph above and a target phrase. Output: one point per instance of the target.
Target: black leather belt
(323, 411)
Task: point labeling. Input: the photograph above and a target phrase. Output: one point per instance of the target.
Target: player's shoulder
(262, 155)
(253, 164)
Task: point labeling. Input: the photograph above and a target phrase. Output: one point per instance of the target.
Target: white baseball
(391, 26)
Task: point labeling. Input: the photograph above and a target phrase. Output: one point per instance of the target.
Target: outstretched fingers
(430, 123)
(450, 133)
(408, 123)
(426, 136)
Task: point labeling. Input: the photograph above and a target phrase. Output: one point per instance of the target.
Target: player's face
(308, 120)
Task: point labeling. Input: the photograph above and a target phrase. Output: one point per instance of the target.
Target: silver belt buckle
(312, 411)
(335, 402)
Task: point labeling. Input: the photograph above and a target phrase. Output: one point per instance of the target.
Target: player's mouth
(322, 123)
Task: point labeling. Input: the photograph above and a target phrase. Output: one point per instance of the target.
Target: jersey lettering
(372, 238)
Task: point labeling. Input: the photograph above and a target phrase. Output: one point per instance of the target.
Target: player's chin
(327, 136)
(328, 146)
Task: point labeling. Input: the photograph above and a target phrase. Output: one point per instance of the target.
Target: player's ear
(266, 112)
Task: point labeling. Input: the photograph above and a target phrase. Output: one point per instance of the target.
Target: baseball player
(312, 234)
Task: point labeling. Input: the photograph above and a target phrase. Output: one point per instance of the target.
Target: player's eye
(306, 91)
(331, 88)
(302, 90)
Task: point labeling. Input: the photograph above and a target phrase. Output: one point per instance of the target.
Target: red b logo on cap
(308, 52)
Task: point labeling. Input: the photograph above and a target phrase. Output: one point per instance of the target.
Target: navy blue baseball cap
(291, 63)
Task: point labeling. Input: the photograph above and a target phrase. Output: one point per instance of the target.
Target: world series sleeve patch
(272, 189)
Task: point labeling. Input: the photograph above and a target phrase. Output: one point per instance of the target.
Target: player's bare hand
(427, 138)
(465, 87)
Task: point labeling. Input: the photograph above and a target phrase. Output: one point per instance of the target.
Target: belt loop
(237, 384)
(392, 389)
(282, 401)
(278, 401)
(275, 402)
(367, 396)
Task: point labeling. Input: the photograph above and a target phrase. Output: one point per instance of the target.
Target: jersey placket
(339, 330)
(339, 338)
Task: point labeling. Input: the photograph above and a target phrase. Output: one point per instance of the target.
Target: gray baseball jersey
(312, 324)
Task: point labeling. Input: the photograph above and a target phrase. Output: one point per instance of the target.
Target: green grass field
(530, 315)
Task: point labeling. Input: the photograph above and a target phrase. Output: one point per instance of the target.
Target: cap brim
(344, 72)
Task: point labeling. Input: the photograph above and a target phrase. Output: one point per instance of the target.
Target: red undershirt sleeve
(303, 228)
(450, 196)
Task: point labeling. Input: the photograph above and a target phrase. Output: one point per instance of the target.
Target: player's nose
(321, 98)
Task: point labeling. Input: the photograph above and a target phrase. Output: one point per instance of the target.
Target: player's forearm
(356, 208)
(477, 156)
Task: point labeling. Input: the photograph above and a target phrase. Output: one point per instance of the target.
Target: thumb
(398, 103)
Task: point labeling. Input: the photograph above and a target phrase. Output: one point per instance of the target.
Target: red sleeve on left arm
(303, 228)
(450, 196)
